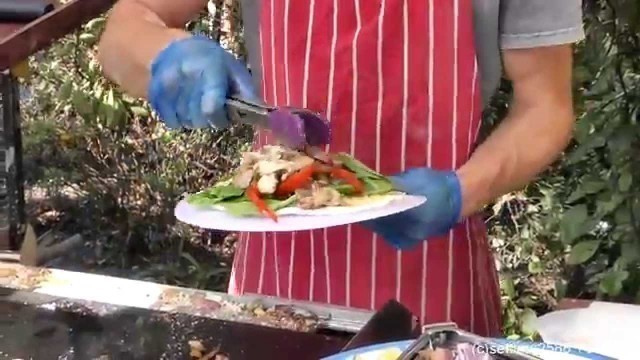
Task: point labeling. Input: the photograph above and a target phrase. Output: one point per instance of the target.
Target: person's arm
(136, 31)
(537, 58)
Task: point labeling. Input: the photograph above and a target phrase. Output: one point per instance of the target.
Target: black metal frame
(12, 202)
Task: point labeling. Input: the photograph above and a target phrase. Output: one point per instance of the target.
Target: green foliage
(115, 173)
(601, 167)
(580, 222)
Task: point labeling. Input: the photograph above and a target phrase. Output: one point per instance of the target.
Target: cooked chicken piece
(250, 158)
(329, 196)
(323, 179)
(267, 167)
(272, 152)
(243, 177)
(267, 184)
(318, 197)
(300, 162)
(289, 154)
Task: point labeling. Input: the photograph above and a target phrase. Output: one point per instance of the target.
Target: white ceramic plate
(295, 219)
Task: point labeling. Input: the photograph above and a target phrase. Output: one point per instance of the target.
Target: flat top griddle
(58, 314)
(64, 330)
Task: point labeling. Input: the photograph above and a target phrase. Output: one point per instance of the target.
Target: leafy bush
(602, 168)
(115, 173)
(574, 232)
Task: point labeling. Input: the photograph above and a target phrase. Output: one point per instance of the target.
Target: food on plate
(276, 177)
(386, 354)
(462, 352)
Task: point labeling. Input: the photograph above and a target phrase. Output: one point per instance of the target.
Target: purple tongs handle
(295, 127)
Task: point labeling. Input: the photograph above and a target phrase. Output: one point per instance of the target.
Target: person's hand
(435, 217)
(190, 81)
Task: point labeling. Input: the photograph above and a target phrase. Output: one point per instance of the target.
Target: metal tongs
(447, 336)
(296, 128)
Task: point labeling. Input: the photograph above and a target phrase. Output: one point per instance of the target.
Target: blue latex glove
(190, 81)
(435, 217)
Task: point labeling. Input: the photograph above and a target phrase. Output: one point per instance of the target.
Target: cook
(404, 83)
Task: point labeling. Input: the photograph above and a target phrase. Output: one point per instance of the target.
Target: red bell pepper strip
(254, 195)
(296, 181)
(348, 177)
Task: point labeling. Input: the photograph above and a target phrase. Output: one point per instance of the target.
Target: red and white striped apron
(399, 81)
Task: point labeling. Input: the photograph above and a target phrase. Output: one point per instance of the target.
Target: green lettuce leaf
(375, 183)
(361, 170)
(373, 186)
(216, 194)
(377, 186)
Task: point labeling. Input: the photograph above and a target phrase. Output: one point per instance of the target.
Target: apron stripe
(378, 146)
(244, 262)
(403, 139)
(312, 264)
(348, 256)
(398, 274)
(465, 83)
(354, 64)
(276, 266)
(471, 138)
(415, 125)
(429, 150)
(472, 302)
(327, 266)
(270, 275)
(352, 141)
(299, 50)
(332, 61)
(390, 141)
(364, 124)
(274, 82)
(380, 102)
(262, 66)
(374, 258)
(405, 83)
(330, 105)
(291, 265)
(263, 253)
(430, 89)
(454, 155)
(449, 275)
(307, 55)
(286, 51)
(423, 282)
(460, 305)
(342, 112)
(319, 272)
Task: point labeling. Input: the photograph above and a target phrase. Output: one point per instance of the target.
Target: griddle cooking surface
(63, 330)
